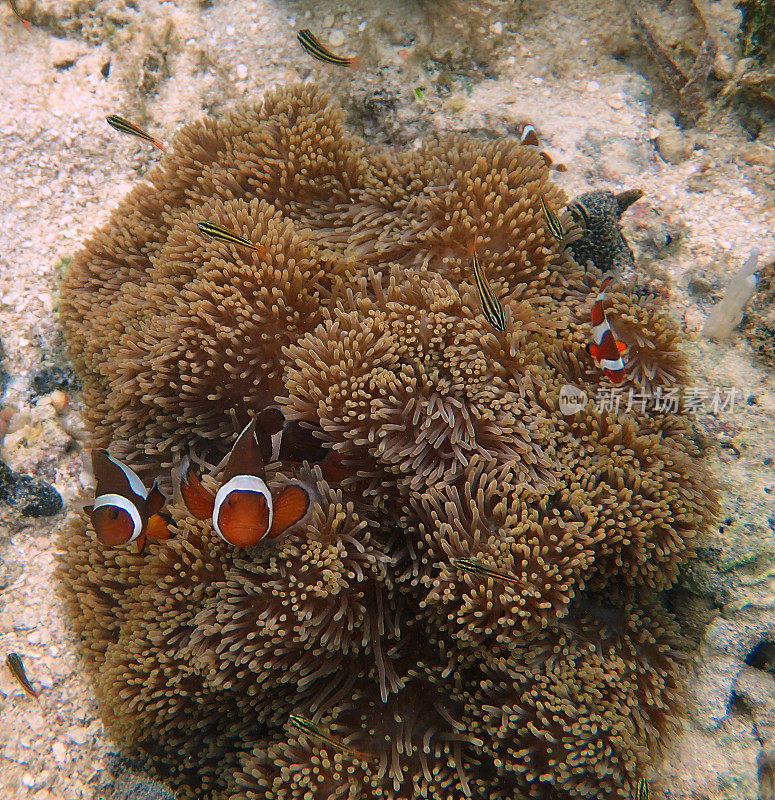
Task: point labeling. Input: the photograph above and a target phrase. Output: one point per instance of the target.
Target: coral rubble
(362, 319)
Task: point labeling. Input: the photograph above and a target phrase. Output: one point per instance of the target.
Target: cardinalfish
(491, 306)
(221, 234)
(124, 510)
(605, 348)
(243, 510)
(477, 568)
(318, 50)
(642, 790)
(125, 126)
(307, 726)
(552, 221)
(15, 665)
(18, 16)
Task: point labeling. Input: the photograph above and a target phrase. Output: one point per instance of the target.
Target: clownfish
(293, 441)
(124, 510)
(243, 510)
(605, 348)
(529, 136)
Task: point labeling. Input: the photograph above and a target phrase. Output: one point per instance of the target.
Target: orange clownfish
(243, 510)
(124, 510)
(293, 441)
(605, 348)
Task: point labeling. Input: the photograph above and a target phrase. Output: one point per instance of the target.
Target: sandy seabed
(579, 75)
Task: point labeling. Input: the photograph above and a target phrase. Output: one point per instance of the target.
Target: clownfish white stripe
(124, 504)
(135, 484)
(277, 439)
(599, 330)
(242, 483)
(612, 364)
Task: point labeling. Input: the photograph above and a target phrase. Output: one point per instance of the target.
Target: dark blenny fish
(14, 662)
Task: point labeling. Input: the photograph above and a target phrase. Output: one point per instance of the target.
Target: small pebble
(674, 146)
(58, 400)
(59, 752)
(497, 28)
(77, 734)
(328, 20)
(230, 30)
(28, 780)
(242, 72)
(336, 38)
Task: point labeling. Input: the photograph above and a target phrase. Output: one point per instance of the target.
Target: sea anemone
(546, 669)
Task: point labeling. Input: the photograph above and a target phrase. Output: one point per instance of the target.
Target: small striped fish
(216, 231)
(642, 790)
(18, 16)
(14, 662)
(318, 50)
(477, 568)
(553, 221)
(491, 307)
(125, 126)
(307, 726)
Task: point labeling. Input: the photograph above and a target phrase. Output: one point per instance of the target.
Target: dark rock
(703, 283)
(4, 376)
(597, 214)
(35, 497)
(131, 784)
(46, 379)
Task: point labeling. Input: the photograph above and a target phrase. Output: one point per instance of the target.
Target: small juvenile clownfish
(642, 790)
(605, 348)
(124, 510)
(243, 510)
(529, 136)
